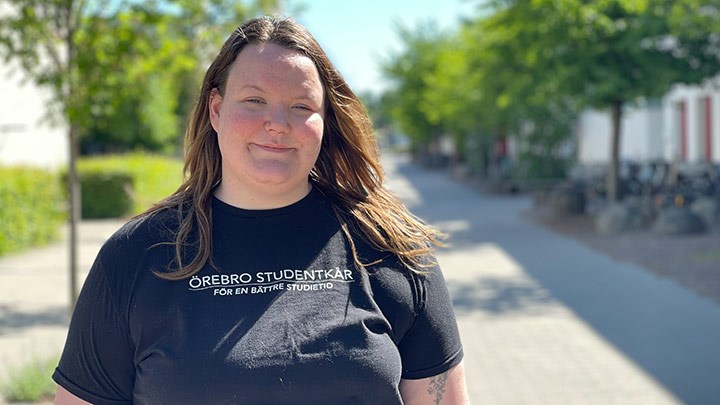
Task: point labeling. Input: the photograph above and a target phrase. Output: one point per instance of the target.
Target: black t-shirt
(282, 317)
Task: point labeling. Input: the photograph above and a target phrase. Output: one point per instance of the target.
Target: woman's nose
(277, 120)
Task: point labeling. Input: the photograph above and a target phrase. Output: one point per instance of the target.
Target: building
(27, 137)
(683, 126)
(691, 122)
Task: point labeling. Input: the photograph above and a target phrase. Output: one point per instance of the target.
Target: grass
(30, 382)
(708, 256)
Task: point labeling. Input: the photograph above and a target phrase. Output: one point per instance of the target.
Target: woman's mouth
(273, 148)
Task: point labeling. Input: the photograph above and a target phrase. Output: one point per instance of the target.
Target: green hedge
(33, 201)
(151, 178)
(31, 208)
(106, 193)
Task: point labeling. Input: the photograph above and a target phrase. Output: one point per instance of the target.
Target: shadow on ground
(498, 296)
(13, 320)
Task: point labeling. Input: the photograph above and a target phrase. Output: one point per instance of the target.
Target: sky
(358, 34)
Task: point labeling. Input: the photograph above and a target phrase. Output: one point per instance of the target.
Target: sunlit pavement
(34, 296)
(545, 320)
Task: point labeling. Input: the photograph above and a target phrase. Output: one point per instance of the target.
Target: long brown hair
(347, 171)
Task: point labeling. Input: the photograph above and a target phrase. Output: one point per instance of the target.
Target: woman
(281, 271)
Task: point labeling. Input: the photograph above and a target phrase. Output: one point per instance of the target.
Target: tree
(68, 46)
(409, 71)
(142, 67)
(133, 101)
(41, 36)
(608, 54)
(473, 84)
(514, 100)
(452, 99)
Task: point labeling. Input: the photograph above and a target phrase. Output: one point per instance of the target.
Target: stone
(678, 221)
(567, 199)
(619, 217)
(708, 209)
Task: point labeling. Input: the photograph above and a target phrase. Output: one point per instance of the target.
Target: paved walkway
(34, 295)
(544, 319)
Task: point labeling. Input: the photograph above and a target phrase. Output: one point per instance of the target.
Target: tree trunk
(75, 212)
(74, 196)
(614, 163)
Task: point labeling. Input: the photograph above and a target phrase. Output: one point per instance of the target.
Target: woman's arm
(448, 388)
(64, 397)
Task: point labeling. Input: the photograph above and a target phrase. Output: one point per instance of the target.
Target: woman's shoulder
(146, 229)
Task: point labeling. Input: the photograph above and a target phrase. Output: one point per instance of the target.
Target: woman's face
(269, 125)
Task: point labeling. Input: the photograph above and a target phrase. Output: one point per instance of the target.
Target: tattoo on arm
(436, 387)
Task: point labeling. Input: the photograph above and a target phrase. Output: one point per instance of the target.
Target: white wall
(593, 132)
(640, 137)
(26, 137)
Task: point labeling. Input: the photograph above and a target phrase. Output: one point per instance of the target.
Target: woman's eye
(254, 101)
(303, 107)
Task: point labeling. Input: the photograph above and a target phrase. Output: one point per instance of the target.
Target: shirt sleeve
(432, 344)
(97, 362)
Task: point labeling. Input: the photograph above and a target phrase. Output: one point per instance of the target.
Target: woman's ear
(214, 104)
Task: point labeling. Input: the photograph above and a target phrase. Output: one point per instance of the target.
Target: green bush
(154, 177)
(31, 208)
(30, 382)
(106, 193)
